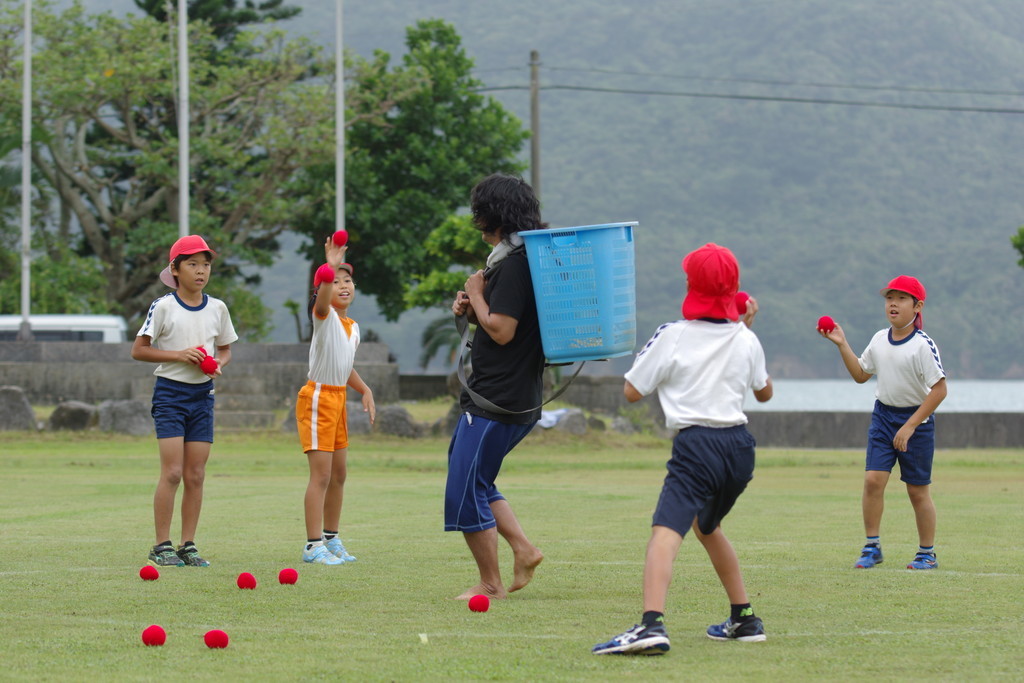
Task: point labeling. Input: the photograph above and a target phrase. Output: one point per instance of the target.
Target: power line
(804, 84)
(762, 98)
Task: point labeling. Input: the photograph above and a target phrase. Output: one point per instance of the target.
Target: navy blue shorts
(182, 409)
(709, 469)
(916, 463)
(478, 448)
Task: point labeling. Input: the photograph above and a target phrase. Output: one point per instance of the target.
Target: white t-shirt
(702, 372)
(172, 325)
(332, 350)
(906, 370)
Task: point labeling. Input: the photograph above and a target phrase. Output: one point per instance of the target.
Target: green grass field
(76, 524)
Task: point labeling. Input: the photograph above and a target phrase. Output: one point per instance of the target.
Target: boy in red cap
(179, 327)
(911, 385)
(701, 367)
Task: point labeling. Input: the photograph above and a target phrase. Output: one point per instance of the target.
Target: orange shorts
(321, 417)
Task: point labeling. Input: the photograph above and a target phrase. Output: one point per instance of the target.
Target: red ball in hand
(741, 302)
(479, 603)
(288, 576)
(149, 573)
(154, 635)
(209, 365)
(201, 350)
(216, 638)
(246, 580)
(340, 237)
(826, 323)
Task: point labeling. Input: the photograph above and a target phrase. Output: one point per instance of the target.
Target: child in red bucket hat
(911, 385)
(702, 368)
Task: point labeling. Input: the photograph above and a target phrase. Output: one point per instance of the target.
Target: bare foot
(523, 568)
(494, 594)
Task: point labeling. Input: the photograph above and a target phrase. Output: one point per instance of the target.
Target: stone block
(15, 410)
(73, 416)
(126, 417)
(396, 421)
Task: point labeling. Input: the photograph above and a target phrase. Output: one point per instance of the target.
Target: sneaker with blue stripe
(639, 640)
(924, 561)
(337, 549)
(869, 557)
(750, 630)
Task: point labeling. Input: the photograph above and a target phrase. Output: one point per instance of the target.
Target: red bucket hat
(713, 277)
(189, 244)
(911, 286)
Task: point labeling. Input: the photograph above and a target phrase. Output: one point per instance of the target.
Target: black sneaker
(748, 631)
(190, 556)
(639, 640)
(164, 556)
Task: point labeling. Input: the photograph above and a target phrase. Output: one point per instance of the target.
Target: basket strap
(462, 325)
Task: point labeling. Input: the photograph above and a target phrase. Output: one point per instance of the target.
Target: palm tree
(439, 335)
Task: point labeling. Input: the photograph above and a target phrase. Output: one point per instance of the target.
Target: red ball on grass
(154, 635)
(246, 580)
(216, 638)
(288, 576)
(149, 573)
(826, 323)
(340, 237)
(741, 302)
(479, 603)
(209, 365)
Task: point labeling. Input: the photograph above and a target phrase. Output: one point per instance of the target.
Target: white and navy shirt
(332, 350)
(173, 325)
(701, 370)
(906, 370)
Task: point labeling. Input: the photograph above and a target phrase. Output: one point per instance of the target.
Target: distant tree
(103, 89)
(407, 177)
(225, 17)
(1018, 243)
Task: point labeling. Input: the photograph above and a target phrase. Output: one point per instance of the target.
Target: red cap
(713, 278)
(905, 283)
(911, 286)
(189, 244)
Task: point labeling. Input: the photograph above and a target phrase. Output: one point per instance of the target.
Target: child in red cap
(702, 368)
(180, 326)
(911, 385)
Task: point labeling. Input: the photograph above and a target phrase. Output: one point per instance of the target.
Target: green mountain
(831, 145)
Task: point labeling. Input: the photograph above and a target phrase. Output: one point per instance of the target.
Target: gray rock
(288, 424)
(397, 421)
(15, 410)
(573, 422)
(73, 416)
(358, 421)
(623, 425)
(126, 417)
(596, 424)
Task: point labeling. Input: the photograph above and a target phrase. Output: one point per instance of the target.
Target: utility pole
(535, 122)
(25, 329)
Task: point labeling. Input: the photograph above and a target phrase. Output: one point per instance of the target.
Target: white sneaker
(318, 554)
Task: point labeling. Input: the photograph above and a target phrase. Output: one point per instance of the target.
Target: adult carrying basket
(584, 281)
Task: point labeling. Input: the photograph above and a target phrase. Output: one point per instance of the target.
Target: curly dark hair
(506, 202)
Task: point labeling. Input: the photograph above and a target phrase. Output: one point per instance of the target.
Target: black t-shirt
(510, 376)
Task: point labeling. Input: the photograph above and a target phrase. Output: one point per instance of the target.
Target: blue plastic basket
(584, 281)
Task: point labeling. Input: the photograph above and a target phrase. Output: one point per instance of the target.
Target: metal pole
(183, 117)
(25, 329)
(535, 122)
(339, 122)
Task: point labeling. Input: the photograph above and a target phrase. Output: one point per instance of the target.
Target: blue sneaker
(639, 640)
(747, 631)
(869, 557)
(319, 554)
(337, 549)
(924, 561)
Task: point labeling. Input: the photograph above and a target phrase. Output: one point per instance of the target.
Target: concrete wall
(51, 372)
